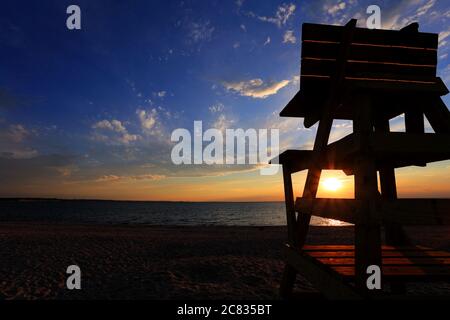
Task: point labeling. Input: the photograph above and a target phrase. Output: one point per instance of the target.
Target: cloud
(289, 37)
(445, 74)
(114, 178)
(443, 36)
(284, 12)
(113, 125)
(113, 132)
(255, 88)
(333, 9)
(65, 171)
(425, 8)
(406, 12)
(222, 122)
(200, 31)
(267, 41)
(13, 140)
(151, 122)
(21, 172)
(17, 132)
(243, 27)
(160, 94)
(19, 154)
(218, 107)
(147, 119)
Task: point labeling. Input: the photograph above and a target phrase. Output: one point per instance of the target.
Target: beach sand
(156, 262)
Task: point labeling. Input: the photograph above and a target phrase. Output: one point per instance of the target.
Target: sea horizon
(162, 213)
(130, 200)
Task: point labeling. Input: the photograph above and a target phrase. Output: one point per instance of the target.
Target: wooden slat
(429, 81)
(417, 211)
(401, 211)
(312, 83)
(415, 263)
(418, 145)
(298, 160)
(422, 261)
(327, 50)
(389, 152)
(319, 32)
(412, 273)
(388, 105)
(385, 253)
(310, 101)
(371, 69)
(396, 147)
(348, 247)
(384, 84)
(410, 265)
(338, 209)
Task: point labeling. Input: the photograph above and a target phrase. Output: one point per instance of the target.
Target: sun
(332, 184)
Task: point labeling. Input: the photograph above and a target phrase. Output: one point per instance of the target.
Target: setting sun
(332, 184)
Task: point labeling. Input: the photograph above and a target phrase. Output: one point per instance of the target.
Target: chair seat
(414, 263)
(393, 149)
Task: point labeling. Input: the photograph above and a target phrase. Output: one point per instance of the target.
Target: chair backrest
(402, 55)
(386, 59)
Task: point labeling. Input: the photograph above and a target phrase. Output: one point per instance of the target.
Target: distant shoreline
(112, 200)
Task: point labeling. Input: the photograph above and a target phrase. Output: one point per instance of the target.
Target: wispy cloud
(282, 15)
(406, 12)
(114, 178)
(200, 31)
(112, 132)
(17, 132)
(160, 94)
(267, 41)
(289, 37)
(334, 8)
(14, 142)
(443, 37)
(222, 122)
(218, 107)
(147, 119)
(255, 88)
(26, 153)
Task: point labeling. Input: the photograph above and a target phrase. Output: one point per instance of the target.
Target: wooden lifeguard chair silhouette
(369, 77)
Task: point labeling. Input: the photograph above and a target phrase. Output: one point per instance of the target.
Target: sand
(153, 262)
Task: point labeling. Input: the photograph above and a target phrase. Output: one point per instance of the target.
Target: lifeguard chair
(369, 77)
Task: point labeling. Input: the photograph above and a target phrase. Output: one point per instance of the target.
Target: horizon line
(122, 200)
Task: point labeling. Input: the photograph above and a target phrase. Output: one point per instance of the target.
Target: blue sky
(88, 113)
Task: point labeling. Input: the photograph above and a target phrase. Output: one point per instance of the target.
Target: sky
(89, 113)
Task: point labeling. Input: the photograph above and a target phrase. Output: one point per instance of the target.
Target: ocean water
(152, 213)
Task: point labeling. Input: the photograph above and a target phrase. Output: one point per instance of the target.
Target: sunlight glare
(332, 184)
